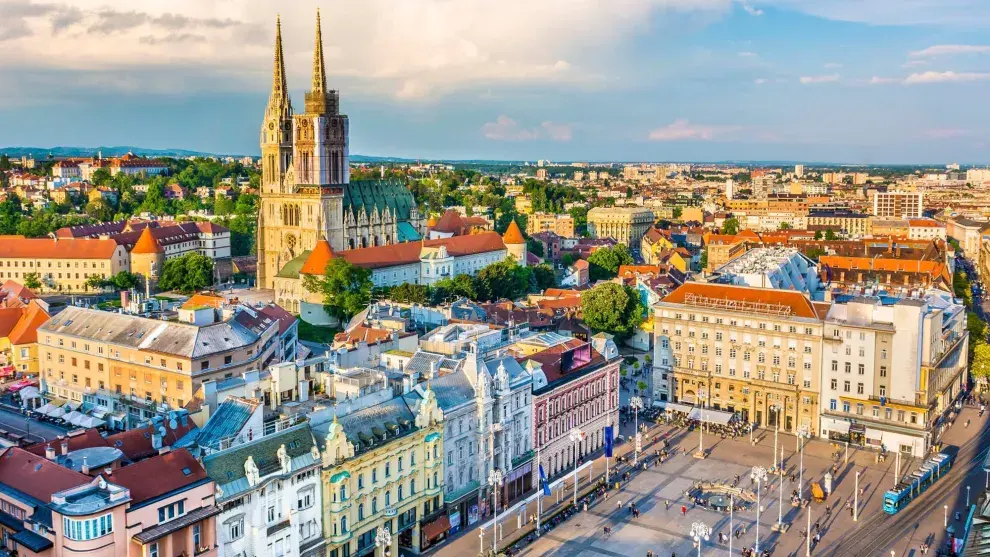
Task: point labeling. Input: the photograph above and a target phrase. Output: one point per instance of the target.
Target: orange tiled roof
(633, 270)
(46, 248)
(451, 222)
(930, 223)
(930, 267)
(369, 335)
(799, 305)
(26, 329)
(205, 299)
(147, 243)
(317, 261)
(513, 235)
(561, 293)
(408, 252)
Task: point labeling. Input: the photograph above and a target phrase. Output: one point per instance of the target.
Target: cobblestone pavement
(666, 532)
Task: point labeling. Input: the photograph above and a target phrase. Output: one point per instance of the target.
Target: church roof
(513, 235)
(451, 222)
(317, 261)
(379, 194)
(147, 243)
(292, 268)
(408, 232)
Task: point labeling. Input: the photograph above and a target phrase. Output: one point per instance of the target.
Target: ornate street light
(636, 403)
(700, 532)
(495, 481)
(383, 540)
(759, 474)
(576, 436)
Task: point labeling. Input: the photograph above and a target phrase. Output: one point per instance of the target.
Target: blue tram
(914, 485)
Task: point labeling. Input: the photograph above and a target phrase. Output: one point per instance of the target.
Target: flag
(608, 441)
(544, 482)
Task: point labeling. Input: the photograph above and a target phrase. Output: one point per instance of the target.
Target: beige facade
(625, 225)
(89, 352)
(60, 266)
(561, 225)
(747, 350)
(853, 225)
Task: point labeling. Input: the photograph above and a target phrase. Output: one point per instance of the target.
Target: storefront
(835, 429)
(434, 532)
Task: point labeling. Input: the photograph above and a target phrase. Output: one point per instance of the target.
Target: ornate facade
(306, 193)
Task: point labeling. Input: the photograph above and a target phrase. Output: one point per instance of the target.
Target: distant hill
(40, 153)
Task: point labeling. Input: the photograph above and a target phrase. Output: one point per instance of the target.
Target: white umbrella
(90, 421)
(71, 416)
(56, 412)
(44, 410)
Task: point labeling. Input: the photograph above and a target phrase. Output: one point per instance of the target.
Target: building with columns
(752, 351)
(306, 192)
(625, 225)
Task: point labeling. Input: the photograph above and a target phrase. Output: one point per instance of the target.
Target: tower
(276, 129)
(515, 244)
(147, 257)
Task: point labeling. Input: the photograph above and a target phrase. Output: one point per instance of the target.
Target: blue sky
(857, 81)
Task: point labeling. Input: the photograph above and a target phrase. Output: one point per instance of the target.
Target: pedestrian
(666, 504)
(585, 506)
(619, 505)
(683, 510)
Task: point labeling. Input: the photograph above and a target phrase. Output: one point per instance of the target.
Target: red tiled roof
(264, 317)
(210, 299)
(35, 475)
(513, 235)
(26, 329)
(46, 248)
(318, 259)
(369, 335)
(87, 439)
(799, 305)
(561, 293)
(408, 252)
(633, 270)
(450, 222)
(14, 294)
(159, 475)
(136, 443)
(552, 362)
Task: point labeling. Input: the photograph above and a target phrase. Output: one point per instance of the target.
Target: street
(32, 430)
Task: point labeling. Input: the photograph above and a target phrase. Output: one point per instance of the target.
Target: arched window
(360, 511)
(374, 505)
(343, 525)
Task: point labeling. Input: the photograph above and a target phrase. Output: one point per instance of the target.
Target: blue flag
(544, 482)
(608, 441)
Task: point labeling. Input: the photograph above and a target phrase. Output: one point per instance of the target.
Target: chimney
(65, 447)
(50, 452)
(108, 470)
(85, 467)
(156, 440)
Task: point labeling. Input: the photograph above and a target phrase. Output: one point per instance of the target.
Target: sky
(843, 81)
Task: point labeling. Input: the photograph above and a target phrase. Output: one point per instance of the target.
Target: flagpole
(539, 482)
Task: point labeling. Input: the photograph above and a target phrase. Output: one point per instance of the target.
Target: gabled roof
(227, 466)
(35, 475)
(86, 440)
(47, 248)
(159, 475)
(136, 444)
(228, 421)
(451, 222)
(378, 194)
(409, 252)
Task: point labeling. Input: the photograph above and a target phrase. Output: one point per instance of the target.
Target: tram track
(881, 530)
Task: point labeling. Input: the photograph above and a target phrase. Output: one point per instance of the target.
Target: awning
(44, 410)
(682, 408)
(72, 405)
(57, 412)
(711, 416)
(89, 421)
(30, 392)
(72, 417)
(436, 528)
(835, 426)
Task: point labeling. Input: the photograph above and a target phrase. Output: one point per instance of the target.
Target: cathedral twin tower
(306, 194)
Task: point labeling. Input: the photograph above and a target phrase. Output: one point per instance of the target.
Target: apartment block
(61, 265)
(898, 204)
(561, 225)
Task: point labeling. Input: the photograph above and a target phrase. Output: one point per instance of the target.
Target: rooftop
(743, 299)
(159, 475)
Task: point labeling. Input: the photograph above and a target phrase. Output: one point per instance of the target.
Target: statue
(251, 471)
(283, 459)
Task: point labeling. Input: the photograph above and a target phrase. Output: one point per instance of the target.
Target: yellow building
(561, 225)
(383, 466)
(60, 265)
(856, 225)
(754, 351)
(107, 355)
(723, 248)
(654, 242)
(19, 335)
(625, 225)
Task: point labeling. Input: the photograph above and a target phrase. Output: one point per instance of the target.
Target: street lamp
(780, 502)
(576, 436)
(702, 394)
(495, 480)
(856, 499)
(776, 431)
(945, 521)
(759, 474)
(803, 434)
(383, 541)
(636, 403)
(700, 532)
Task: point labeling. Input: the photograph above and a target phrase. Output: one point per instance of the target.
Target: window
(859, 388)
(197, 536)
(305, 498)
(846, 385)
(835, 365)
(845, 407)
(832, 404)
(861, 368)
(235, 529)
(848, 367)
(153, 550)
(883, 390)
(168, 512)
(883, 371)
(88, 529)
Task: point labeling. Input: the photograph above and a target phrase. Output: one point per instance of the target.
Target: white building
(271, 495)
(892, 371)
(898, 204)
(774, 267)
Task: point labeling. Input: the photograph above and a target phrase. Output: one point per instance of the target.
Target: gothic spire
(319, 70)
(279, 95)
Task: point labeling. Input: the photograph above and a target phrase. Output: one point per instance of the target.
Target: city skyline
(700, 80)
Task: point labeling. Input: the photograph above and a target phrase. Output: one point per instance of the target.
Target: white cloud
(760, 80)
(748, 54)
(832, 65)
(945, 77)
(877, 80)
(950, 49)
(966, 13)
(409, 49)
(945, 133)
(813, 79)
(750, 9)
(683, 130)
(505, 128)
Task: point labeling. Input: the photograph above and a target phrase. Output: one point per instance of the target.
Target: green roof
(228, 465)
(379, 194)
(292, 268)
(408, 233)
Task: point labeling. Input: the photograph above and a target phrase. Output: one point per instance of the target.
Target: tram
(914, 485)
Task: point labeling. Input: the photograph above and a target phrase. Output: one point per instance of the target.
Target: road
(31, 429)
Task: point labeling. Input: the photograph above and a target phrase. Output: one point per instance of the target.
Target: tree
(535, 247)
(502, 280)
(544, 276)
(224, 206)
(642, 386)
(32, 280)
(154, 201)
(830, 235)
(5, 162)
(101, 176)
(604, 262)
(613, 308)
(731, 226)
(703, 262)
(980, 364)
(410, 293)
(346, 288)
(818, 234)
(188, 273)
(125, 280)
(100, 210)
(96, 282)
(568, 259)
(11, 213)
(785, 226)
(677, 212)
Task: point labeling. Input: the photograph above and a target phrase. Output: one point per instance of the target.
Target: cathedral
(306, 192)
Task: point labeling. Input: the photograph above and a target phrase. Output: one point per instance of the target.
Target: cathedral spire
(319, 70)
(279, 97)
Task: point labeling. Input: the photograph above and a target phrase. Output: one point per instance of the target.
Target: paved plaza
(666, 531)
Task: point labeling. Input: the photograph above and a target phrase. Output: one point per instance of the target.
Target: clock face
(271, 125)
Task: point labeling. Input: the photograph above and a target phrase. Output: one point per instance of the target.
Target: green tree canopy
(504, 279)
(544, 276)
(730, 226)
(535, 247)
(410, 293)
(32, 280)
(346, 288)
(604, 262)
(188, 273)
(830, 235)
(613, 308)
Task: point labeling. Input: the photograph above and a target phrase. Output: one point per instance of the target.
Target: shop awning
(436, 528)
(836, 426)
(711, 416)
(57, 412)
(44, 410)
(677, 407)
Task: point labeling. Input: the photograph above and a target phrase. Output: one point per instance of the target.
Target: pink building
(160, 507)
